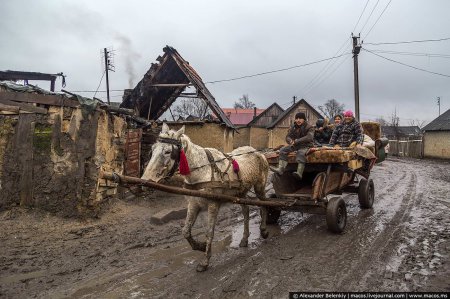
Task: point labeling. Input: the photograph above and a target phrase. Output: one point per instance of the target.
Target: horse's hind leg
(261, 194)
(245, 212)
(192, 213)
(213, 210)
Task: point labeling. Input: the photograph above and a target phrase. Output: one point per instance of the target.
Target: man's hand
(289, 140)
(353, 144)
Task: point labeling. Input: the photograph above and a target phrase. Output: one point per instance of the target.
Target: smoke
(130, 55)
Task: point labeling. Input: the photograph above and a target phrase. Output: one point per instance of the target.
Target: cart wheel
(366, 193)
(272, 216)
(336, 215)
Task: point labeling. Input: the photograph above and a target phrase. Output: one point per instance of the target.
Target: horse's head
(165, 155)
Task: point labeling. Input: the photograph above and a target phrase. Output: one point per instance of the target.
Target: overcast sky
(233, 38)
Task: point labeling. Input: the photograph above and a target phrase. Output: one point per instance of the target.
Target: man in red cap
(348, 132)
(300, 138)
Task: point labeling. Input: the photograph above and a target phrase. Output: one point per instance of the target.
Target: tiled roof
(241, 116)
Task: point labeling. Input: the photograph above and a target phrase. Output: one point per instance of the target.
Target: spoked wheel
(336, 215)
(366, 193)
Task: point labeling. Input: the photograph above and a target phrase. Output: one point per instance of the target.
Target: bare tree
(244, 103)
(382, 121)
(417, 122)
(394, 122)
(331, 108)
(195, 107)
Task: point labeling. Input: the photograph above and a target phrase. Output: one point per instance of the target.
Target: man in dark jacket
(348, 133)
(300, 138)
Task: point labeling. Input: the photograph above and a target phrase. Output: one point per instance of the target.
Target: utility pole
(439, 104)
(356, 50)
(294, 98)
(109, 66)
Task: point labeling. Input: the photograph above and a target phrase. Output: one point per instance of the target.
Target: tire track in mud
(382, 244)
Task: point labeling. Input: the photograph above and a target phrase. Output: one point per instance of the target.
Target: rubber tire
(272, 216)
(366, 193)
(336, 215)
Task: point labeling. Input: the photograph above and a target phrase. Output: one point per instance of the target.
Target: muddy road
(402, 244)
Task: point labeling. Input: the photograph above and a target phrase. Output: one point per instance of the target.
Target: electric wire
(275, 71)
(434, 55)
(364, 26)
(101, 79)
(364, 9)
(378, 18)
(409, 42)
(407, 65)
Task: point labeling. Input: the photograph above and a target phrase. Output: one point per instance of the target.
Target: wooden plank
(24, 106)
(24, 150)
(9, 108)
(39, 99)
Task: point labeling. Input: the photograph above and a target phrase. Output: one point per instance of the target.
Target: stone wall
(208, 134)
(259, 138)
(52, 160)
(437, 144)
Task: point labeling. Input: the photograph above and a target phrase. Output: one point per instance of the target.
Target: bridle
(174, 154)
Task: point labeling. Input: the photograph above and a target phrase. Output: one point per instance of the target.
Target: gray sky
(228, 39)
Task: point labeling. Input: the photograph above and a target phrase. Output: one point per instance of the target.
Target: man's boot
(299, 173)
(281, 167)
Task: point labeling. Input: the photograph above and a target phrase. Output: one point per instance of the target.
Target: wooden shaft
(182, 191)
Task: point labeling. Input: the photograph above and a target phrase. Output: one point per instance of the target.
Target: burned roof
(163, 84)
(442, 123)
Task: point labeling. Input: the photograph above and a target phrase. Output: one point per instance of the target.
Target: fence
(406, 148)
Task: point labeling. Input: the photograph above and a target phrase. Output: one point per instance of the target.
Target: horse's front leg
(191, 217)
(246, 213)
(213, 211)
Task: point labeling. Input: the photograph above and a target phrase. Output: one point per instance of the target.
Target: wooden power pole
(106, 71)
(356, 50)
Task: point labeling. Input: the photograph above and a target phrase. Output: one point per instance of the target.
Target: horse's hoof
(201, 268)
(243, 243)
(200, 246)
(264, 234)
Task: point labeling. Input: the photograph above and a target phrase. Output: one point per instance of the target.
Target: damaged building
(53, 147)
(168, 80)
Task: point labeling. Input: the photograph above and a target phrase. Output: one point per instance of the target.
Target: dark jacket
(323, 136)
(346, 133)
(303, 136)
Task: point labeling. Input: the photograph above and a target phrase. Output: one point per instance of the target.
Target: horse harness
(175, 155)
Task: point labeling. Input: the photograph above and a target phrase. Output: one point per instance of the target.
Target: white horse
(211, 174)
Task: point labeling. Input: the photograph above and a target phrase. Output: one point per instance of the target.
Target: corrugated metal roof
(442, 123)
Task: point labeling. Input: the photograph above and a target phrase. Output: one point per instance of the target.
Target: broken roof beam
(171, 85)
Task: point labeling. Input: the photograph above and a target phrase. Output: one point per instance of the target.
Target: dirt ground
(402, 244)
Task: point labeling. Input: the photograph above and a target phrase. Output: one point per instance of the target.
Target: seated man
(300, 138)
(347, 133)
(322, 133)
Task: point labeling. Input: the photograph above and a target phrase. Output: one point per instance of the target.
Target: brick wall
(437, 144)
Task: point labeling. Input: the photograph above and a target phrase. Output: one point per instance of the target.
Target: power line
(276, 71)
(411, 53)
(364, 9)
(410, 66)
(101, 79)
(409, 42)
(378, 18)
(364, 26)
